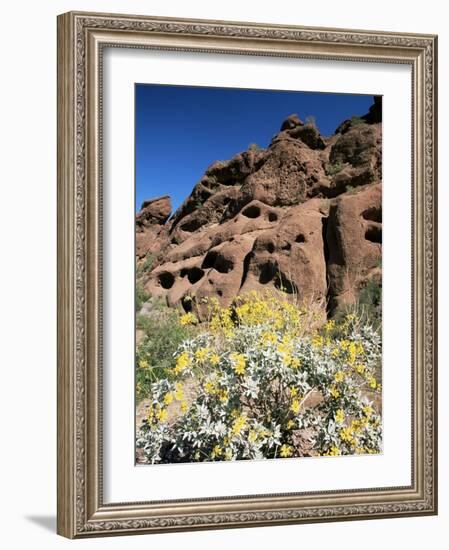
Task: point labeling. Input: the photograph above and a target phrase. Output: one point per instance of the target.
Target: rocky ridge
(303, 216)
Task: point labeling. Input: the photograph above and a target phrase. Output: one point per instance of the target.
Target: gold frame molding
(81, 39)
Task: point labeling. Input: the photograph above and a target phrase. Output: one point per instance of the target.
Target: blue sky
(181, 130)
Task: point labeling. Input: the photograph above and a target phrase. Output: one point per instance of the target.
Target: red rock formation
(303, 216)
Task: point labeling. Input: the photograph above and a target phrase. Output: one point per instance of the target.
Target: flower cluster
(254, 383)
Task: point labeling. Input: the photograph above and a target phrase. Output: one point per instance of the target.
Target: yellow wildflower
(368, 410)
(286, 451)
(201, 354)
(209, 387)
(295, 406)
(143, 364)
(239, 362)
(339, 416)
(168, 398)
(296, 363)
(334, 392)
(333, 451)
(372, 382)
(347, 435)
(223, 395)
(188, 319)
(290, 424)
(339, 376)
(268, 338)
(252, 436)
(179, 392)
(239, 424)
(214, 359)
(216, 451)
(360, 368)
(184, 407)
(162, 415)
(182, 362)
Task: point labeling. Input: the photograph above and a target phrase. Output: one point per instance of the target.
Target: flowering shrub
(255, 382)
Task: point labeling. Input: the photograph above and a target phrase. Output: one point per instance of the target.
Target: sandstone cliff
(303, 216)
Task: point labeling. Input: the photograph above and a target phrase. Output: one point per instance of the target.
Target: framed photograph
(246, 274)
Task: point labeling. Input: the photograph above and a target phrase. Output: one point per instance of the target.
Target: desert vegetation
(259, 303)
(262, 378)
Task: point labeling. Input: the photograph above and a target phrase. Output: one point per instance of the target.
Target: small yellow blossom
(182, 362)
(188, 319)
(339, 416)
(360, 368)
(209, 387)
(168, 398)
(296, 363)
(286, 451)
(335, 352)
(347, 435)
(334, 392)
(368, 410)
(201, 354)
(295, 406)
(143, 364)
(184, 407)
(214, 359)
(290, 424)
(333, 451)
(252, 436)
(239, 363)
(339, 376)
(372, 382)
(216, 451)
(239, 424)
(162, 415)
(179, 392)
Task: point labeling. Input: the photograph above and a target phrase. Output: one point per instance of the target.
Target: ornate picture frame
(82, 39)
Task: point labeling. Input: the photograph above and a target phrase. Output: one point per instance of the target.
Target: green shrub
(163, 333)
(332, 169)
(141, 295)
(356, 120)
(146, 265)
(368, 307)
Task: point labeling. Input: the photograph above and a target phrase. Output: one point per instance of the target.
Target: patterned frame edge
(81, 511)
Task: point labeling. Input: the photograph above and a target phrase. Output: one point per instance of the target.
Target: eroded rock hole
(374, 234)
(300, 238)
(373, 214)
(194, 275)
(217, 261)
(270, 247)
(191, 225)
(267, 273)
(272, 217)
(166, 279)
(251, 211)
(209, 259)
(187, 304)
